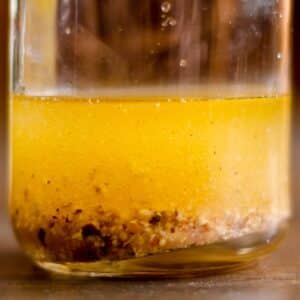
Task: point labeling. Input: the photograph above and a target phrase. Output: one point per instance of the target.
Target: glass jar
(149, 137)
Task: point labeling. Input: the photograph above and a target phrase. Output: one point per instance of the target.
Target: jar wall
(149, 138)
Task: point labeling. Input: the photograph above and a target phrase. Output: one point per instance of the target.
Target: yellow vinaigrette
(118, 178)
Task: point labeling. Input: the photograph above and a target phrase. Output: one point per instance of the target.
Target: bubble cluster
(167, 19)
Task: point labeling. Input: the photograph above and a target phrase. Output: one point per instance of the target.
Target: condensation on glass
(149, 137)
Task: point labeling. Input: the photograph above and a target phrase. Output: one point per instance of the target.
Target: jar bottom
(218, 258)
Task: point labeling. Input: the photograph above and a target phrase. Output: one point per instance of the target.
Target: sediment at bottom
(216, 258)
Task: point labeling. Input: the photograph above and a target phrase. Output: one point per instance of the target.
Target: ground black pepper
(42, 236)
(155, 219)
(90, 230)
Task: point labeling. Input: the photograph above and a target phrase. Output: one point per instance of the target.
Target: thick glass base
(206, 260)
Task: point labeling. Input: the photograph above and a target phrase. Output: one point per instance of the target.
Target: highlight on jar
(149, 138)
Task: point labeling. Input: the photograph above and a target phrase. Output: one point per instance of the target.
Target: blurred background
(4, 223)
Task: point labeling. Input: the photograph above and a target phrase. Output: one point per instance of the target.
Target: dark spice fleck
(51, 224)
(26, 194)
(57, 210)
(78, 211)
(155, 219)
(42, 236)
(97, 189)
(67, 220)
(89, 230)
(48, 181)
(54, 217)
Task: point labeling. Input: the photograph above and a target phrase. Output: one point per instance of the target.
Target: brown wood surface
(276, 277)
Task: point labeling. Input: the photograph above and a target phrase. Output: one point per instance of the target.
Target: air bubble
(166, 6)
(68, 30)
(183, 63)
(172, 21)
